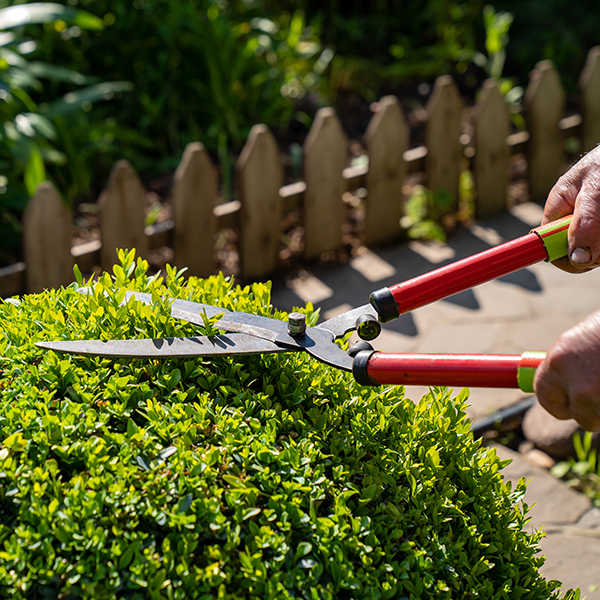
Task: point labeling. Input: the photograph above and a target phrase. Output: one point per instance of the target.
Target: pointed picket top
(47, 232)
(122, 216)
(387, 138)
(442, 138)
(589, 84)
(544, 104)
(492, 155)
(325, 150)
(259, 177)
(195, 189)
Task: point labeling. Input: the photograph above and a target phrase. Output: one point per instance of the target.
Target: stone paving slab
(572, 526)
(551, 502)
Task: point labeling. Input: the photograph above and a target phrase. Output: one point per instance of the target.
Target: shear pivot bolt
(368, 327)
(296, 324)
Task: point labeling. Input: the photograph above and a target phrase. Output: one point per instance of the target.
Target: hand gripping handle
(547, 242)
(465, 370)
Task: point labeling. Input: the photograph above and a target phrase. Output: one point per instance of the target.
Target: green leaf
(143, 463)
(559, 470)
(15, 442)
(132, 428)
(368, 493)
(56, 73)
(47, 12)
(74, 101)
(35, 171)
(127, 556)
(185, 503)
(251, 512)
(578, 445)
(434, 457)
(302, 550)
(31, 123)
(167, 452)
(6, 38)
(78, 275)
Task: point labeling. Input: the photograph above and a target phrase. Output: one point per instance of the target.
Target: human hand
(567, 382)
(577, 192)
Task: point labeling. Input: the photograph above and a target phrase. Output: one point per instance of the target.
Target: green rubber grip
(554, 236)
(530, 361)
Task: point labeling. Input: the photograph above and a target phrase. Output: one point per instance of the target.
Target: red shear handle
(547, 242)
(465, 370)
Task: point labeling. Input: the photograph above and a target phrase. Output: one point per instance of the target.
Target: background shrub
(27, 133)
(202, 69)
(248, 477)
(207, 70)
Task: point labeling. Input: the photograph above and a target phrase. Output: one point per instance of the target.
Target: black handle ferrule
(359, 368)
(384, 303)
(359, 347)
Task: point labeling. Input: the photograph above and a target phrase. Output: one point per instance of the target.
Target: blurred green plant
(467, 195)
(203, 70)
(558, 30)
(27, 133)
(497, 26)
(423, 214)
(413, 40)
(391, 42)
(425, 209)
(583, 471)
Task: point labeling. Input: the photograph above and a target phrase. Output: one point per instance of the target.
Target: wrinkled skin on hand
(577, 192)
(567, 383)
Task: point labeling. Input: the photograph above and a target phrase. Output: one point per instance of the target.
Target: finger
(583, 402)
(566, 265)
(584, 231)
(560, 203)
(550, 392)
(582, 409)
(561, 199)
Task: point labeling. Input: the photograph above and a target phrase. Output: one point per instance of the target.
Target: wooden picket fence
(262, 199)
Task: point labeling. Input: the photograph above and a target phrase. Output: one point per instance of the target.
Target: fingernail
(581, 256)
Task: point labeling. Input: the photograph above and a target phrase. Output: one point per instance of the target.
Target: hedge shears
(254, 334)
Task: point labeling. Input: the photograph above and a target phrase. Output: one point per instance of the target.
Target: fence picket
(490, 169)
(122, 217)
(325, 151)
(195, 188)
(47, 240)
(387, 140)
(545, 103)
(260, 175)
(589, 84)
(442, 138)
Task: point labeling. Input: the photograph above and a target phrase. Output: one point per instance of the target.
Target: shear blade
(318, 341)
(219, 345)
(346, 322)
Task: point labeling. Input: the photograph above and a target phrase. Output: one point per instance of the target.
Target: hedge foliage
(246, 477)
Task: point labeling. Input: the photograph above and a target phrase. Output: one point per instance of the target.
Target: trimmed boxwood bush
(246, 477)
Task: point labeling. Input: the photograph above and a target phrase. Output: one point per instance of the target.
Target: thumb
(584, 231)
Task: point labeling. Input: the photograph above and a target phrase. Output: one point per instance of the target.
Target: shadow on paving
(349, 288)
